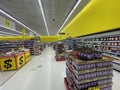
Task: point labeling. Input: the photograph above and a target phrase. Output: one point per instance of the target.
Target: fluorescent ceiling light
(79, 1)
(6, 33)
(10, 29)
(3, 12)
(41, 8)
(19, 33)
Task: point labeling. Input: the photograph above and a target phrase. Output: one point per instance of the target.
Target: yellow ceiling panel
(97, 16)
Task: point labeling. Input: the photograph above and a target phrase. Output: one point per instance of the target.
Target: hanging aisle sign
(7, 23)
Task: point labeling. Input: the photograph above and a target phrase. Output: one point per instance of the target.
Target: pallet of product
(60, 59)
(106, 85)
(67, 85)
(104, 59)
(104, 68)
(77, 81)
(90, 80)
(85, 86)
(83, 71)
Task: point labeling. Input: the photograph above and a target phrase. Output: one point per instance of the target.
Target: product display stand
(37, 48)
(6, 46)
(14, 60)
(34, 46)
(29, 45)
(107, 43)
(88, 75)
(60, 53)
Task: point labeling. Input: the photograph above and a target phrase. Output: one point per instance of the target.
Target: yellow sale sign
(27, 56)
(8, 64)
(20, 60)
(94, 88)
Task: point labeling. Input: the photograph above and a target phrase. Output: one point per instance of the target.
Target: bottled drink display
(85, 86)
(90, 69)
(86, 53)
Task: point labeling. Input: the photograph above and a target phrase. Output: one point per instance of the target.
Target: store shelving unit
(107, 43)
(6, 46)
(59, 51)
(29, 45)
(33, 46)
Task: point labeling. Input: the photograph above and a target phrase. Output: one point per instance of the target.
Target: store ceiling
(29, 13)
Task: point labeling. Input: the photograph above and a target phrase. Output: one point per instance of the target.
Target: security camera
(53, 19)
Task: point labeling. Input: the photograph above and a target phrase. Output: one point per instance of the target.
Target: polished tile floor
(43, 73)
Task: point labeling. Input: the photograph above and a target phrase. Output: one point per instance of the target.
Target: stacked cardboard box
(60, 55)
(36, 48)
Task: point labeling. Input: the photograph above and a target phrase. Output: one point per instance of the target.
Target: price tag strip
(7, 63)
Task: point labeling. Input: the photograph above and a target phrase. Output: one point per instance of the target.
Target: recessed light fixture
(41, 8)
(78, 2)
(12, 18)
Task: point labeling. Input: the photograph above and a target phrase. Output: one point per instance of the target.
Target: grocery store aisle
(41, 73)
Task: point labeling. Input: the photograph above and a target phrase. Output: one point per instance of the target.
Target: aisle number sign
(27, 56)
(8, 64)
(20, 60)
(94, 88)
(7, 23)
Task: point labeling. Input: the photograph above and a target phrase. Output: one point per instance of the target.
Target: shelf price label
(8, 64)
(20, 60)
(94, 88)
(7, 23)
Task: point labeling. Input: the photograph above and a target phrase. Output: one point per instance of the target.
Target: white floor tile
(5, 75)
(44, 73)
(116, 80)
(41, 73)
